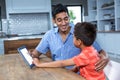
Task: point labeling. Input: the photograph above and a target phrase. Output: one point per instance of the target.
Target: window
(75, 13)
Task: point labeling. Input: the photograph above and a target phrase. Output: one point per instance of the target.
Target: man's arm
(104, 59)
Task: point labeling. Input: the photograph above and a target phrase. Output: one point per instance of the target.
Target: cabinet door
(28, 5)
(117, 13)
(1, 47)
(29, 43)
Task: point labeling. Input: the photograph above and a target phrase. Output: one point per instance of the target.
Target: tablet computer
(26, 56)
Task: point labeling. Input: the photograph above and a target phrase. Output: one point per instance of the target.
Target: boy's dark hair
(58, 9)
(86, 32)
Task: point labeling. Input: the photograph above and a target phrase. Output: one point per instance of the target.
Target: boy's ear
(79, 42)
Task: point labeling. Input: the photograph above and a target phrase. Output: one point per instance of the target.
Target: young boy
(84, 36)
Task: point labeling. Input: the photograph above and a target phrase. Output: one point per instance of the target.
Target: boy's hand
(75, 69)
(32, 54)
(36, 61)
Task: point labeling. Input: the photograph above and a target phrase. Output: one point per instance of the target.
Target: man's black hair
(58, 9)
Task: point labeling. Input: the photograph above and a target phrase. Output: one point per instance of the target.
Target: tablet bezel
(20, 52)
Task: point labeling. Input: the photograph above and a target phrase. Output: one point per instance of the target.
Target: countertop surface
(22, 37)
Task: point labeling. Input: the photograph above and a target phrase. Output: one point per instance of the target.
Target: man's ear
(53, 20)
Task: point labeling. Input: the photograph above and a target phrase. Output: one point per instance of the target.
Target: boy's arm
(34, 53)
(75, 69)
(104, 59)
(61, 63)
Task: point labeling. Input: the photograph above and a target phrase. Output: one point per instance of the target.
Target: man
(60, 40)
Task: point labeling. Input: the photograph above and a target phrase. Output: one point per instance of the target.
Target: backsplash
(28, 23)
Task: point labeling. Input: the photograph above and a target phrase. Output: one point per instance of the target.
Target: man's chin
(64, 30)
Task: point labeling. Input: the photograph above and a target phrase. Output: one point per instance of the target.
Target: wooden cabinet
(10, 46)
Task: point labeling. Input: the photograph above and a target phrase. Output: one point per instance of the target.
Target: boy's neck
(82, 46)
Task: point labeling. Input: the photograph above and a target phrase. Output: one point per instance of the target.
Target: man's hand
(104, 59)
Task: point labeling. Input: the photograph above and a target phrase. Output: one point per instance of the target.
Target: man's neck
(64, 34)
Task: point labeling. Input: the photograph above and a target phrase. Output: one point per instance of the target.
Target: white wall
(110, 42)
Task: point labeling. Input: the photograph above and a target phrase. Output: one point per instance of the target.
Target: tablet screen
(27, 56)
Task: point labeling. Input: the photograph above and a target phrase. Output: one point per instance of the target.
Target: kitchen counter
(18, 41)
(22, 37)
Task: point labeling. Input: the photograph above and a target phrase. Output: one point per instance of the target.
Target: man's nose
(63, 22)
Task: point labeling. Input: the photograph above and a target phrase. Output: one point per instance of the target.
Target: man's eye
(66, 18)
(59, 20)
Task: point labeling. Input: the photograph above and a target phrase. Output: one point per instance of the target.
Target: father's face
(62, 21)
